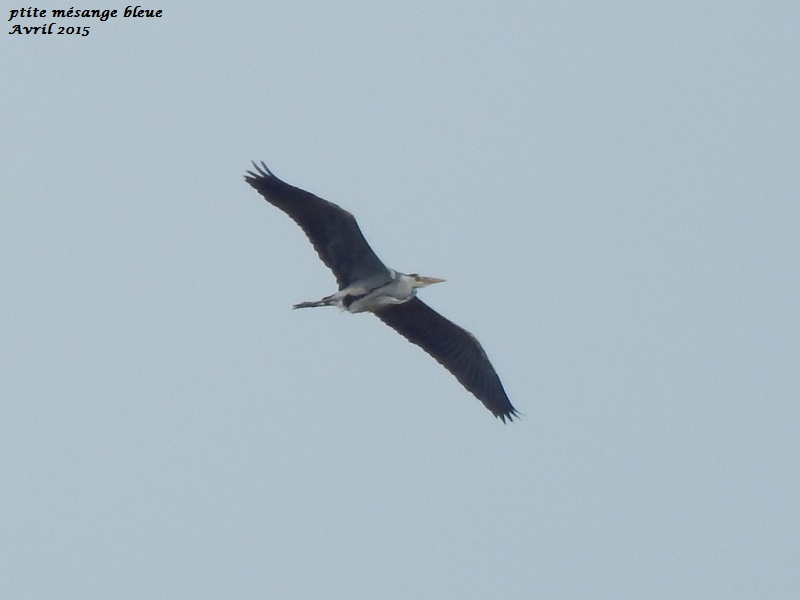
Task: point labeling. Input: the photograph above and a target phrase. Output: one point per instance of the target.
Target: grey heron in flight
(367, 285)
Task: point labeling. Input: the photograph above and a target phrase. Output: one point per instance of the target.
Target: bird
(367, 285)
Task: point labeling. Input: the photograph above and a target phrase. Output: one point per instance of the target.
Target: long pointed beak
(430, 280)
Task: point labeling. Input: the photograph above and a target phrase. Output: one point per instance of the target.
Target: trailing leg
(326, 301)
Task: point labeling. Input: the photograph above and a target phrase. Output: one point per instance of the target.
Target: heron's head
(420, 281)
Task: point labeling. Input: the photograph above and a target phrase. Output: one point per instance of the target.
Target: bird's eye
(415, 275)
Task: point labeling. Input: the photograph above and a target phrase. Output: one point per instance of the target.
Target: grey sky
(611, 191)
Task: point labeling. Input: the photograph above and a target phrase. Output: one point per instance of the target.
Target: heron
(367, 285)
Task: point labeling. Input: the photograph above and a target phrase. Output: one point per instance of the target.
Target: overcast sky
(611, 191)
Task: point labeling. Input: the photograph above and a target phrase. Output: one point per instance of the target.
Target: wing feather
(456, 349)
(333, 231)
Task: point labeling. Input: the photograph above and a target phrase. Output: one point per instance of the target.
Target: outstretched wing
(332, 230)
(455, 348)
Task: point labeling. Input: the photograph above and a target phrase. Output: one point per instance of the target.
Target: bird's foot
(327, 301)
